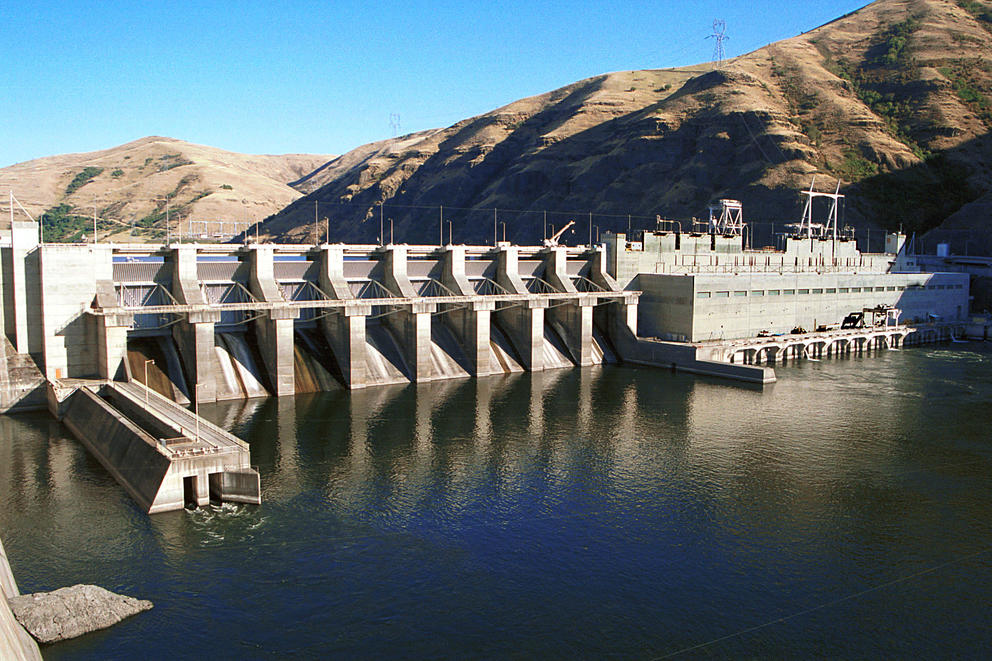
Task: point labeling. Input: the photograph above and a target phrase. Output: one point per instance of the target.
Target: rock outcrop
(69, 612)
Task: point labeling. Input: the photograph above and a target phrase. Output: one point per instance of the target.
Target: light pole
(504, 231)
(94, 222)
(147, 387)
(196, 408)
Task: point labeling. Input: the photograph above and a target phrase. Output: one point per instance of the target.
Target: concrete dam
(207, 322)
(121, 341)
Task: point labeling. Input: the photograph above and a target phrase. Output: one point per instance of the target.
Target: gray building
(699, 287)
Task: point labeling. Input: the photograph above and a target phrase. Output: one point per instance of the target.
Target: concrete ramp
(163, 455)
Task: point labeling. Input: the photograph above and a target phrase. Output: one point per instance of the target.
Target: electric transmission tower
(394, 123)
(719, 35)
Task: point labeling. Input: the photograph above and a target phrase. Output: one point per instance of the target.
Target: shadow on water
(569, 513)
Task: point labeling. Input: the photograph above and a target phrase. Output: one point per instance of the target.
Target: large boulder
(69, 612)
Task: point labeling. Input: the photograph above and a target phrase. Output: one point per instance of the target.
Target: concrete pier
(524, 323)
(470, 323)
(410, 321)
(345, 327)
(194, 332)
(275, 326)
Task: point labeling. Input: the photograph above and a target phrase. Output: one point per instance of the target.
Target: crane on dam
(553, 241)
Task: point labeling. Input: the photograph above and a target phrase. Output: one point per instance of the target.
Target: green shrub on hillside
(61, 224)
(976, 9)
(81, 179)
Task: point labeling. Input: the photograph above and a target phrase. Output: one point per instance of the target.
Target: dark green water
(596, 513)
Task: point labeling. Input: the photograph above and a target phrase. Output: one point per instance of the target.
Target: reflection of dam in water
(235, 322)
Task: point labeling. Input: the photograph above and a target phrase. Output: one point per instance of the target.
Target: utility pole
(495, 225)
(316, 229)
(94, 222)
(440, 227)
(590, 229)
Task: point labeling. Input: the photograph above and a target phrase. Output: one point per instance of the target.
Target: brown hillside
(202, 183)
(894, 99)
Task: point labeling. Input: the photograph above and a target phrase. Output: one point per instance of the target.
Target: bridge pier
(274, 328)
(411, 322)
(471, 325)
(344, 330)
(194, 333)
(111, 331)
(573, 321)
(523, 323)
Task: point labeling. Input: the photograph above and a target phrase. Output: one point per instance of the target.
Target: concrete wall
(125, 450)
(668, 252)
(236, 486)
(69, 277)
(737, 306)
(665, 307)
(16, 644)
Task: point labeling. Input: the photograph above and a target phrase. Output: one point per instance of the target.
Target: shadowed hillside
(894, 100)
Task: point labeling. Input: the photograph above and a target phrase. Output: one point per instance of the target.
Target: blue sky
(324, 77)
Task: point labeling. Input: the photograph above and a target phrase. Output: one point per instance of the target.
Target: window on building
(900, 288)
(890, 288)
(830, 290)
(721, 294)
(844, 290)
(773, 292)
(855, 290)
(817, 291)
(788, 292)
(740, 293)
(702, 294)
(803, 291)
(757, 292)
(879, 288)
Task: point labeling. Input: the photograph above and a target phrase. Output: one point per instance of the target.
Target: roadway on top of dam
(334, 303)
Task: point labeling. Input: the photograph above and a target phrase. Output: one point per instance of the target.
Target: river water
(590, 513)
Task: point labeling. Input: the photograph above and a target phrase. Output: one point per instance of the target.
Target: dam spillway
(218, 322)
